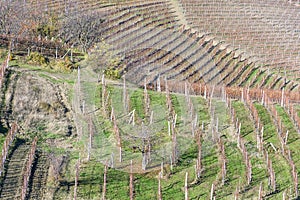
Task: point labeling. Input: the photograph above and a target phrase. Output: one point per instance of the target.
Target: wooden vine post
(104, 182)
(174, 145)
(260, 192)
(212, 191)
(28, 168)
(4, 67)
(159, 187)
(125, 96)
(90, 124)
(146, 101)
(198, 161)
(131, 187)
(8, 140)
(223, 160)
(186, 192)
(272, 179)
(77, 168)
(116, 131)
(240, 141)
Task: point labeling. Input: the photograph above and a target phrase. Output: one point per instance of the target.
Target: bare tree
(6, 17)
(81, 29)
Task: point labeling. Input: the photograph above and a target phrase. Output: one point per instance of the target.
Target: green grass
(184, 119)
(235, 170)
(176, 105)
(117, 181)
(56, 80)
(293, 137)
(243, 115)
(137, 103)
(250, 77)
(145, 184)
(297, 107)
(90, 180)
(145, 187)
(258, 79)
(270, 132)
(210, 172)
(269, 80)
(235, 167)
(2, 139)
(159, 108)
(248, 132)
(221, 113)
(3, 133)
(201, 108)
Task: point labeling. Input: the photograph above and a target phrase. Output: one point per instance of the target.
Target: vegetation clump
(101, 59)
(37, 59)
(63, 65)
(112, 73)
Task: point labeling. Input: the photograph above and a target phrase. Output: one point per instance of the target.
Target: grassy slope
(248, 132)
(145, 185)
(280, 165)
(293, 137)
(91, 173)
(235, 166)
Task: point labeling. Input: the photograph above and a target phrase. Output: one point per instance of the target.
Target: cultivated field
(158, 99)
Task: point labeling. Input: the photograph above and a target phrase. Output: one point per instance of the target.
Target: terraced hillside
(168, 39)
(268, 31)
(171, 100)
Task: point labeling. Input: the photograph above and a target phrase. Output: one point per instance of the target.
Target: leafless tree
(81, 29)
(6, 17)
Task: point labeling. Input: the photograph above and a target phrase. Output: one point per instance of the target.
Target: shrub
(101, 58)
(64, 65)
(112, 73)
(36, 58)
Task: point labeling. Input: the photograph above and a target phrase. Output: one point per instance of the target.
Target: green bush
(36, 58)
(112, 73)
(101, 58)
(64, 65)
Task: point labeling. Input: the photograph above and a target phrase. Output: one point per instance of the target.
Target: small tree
(81, 29)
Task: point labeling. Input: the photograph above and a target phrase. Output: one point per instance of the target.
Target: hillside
(158, 99)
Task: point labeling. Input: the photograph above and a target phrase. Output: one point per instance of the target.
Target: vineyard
(158, 99)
